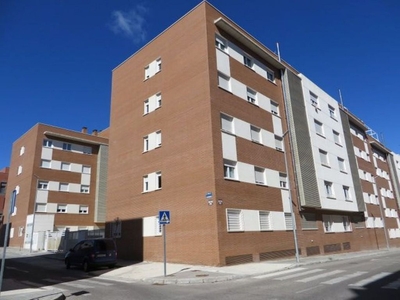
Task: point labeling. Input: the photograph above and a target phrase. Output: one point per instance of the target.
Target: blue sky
(56, 57)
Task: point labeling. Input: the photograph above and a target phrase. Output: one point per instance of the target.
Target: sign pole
(164, 218)
(165, 251)
(3, 262)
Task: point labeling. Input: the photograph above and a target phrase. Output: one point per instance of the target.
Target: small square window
(21, 151)
(247, 61)
(83, 209)
(274, 108)
(229, 169)
(270, 75)
(251, 96)
(220, 43)
(158, 100)
(43, 185)
(283, 180)
(227, 123)
(259, 175)
(64, 187)
(255, 134)
(65, 166)
(44, 163)
(61, 208)
(314, 99)
(328, 189)
(85, 189)
(67, 146)
(146, 72)
(332, 112)
(324, 157)
(224, 82)
(158, 62)
(47, 143)
(145, 183)
(146, 107)
(346, 192)
(319, 128)
(158, 182)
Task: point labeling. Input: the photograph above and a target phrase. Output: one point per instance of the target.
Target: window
(358, 221)
(44, 163)
(83, 209)
(158, 63)
(283, 180)
(19, 170)
(220, 43)
(145, 183)
(279, 143)
(158, 100)
(288, 221)
(265, 222)
(251, 96)
(224, 82)
(229, 169)
(336, 137)
(332, 112)
(41, 207)
(20, 230)
(328, 189)
(61, 208)
(158, 180)
(259, 175)
(47, 143)
(3, 186)
(146, 72)
(309, 221)
(319, 129)
(227, 123)
(274, 108)
(346, 223)
(247, 61)
(270, 75)
(21, 151)
(67, 146)
(65, 166)
(314, 99)
(234, 219)
(346, 192)
(43, 185)
(146, 107)
(158, 138)
(327, 223)
(255, 134)
(342, 166)
(85, 189)
(87, 150)
(86, 169)
(146, 143)
(64, 187)
(324, 157)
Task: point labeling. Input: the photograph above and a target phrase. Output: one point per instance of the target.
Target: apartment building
(252, 159)
(59, 177)
(205, 121)
(3, 187)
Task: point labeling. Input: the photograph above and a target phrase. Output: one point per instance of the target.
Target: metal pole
(3, 262)
(34, 212)
(165, 252)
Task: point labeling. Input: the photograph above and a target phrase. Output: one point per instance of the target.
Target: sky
(57, 56)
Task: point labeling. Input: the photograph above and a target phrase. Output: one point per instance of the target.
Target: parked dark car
(92, 253)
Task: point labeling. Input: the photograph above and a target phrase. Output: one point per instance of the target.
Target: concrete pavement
(153, 272)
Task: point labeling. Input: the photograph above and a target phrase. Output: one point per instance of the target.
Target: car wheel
(85, 266)
(67, 263)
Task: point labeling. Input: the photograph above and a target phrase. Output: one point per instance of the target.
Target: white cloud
(130, 24)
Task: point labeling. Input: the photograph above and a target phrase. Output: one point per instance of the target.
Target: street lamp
(34, 212)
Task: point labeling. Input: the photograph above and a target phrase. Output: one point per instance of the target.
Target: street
(376, 277)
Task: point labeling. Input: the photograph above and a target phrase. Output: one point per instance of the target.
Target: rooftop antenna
(340, 97)
(279, 53)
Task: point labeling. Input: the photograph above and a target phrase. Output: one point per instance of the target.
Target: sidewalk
(153, 272)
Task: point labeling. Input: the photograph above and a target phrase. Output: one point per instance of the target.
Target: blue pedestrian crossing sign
(164, 217)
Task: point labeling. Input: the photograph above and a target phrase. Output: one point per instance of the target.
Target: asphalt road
(376, 277)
